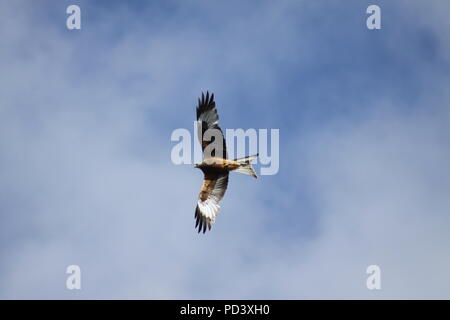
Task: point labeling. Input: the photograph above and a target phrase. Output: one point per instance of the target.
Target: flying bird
(215, 165)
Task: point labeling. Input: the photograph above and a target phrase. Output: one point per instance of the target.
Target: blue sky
(86, 177)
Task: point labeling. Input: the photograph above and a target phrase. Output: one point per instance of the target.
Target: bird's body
(215, 165)
(219, 164)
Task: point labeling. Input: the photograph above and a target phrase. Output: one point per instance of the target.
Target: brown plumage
(215, 165)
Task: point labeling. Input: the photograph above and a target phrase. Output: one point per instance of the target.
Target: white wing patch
(209, 209)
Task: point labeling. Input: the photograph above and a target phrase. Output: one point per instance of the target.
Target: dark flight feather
(207, 118)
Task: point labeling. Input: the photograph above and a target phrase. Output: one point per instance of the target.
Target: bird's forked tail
(245, 165)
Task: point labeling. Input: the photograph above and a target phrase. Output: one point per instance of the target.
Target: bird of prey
(215, 165)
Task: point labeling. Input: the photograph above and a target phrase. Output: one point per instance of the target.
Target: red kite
(215, 165)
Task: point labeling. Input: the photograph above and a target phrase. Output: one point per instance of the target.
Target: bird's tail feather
(245, 166)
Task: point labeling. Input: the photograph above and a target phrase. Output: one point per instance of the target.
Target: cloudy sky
(86, 177)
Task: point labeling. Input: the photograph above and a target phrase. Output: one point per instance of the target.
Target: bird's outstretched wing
(208, 119)
(213, 189)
